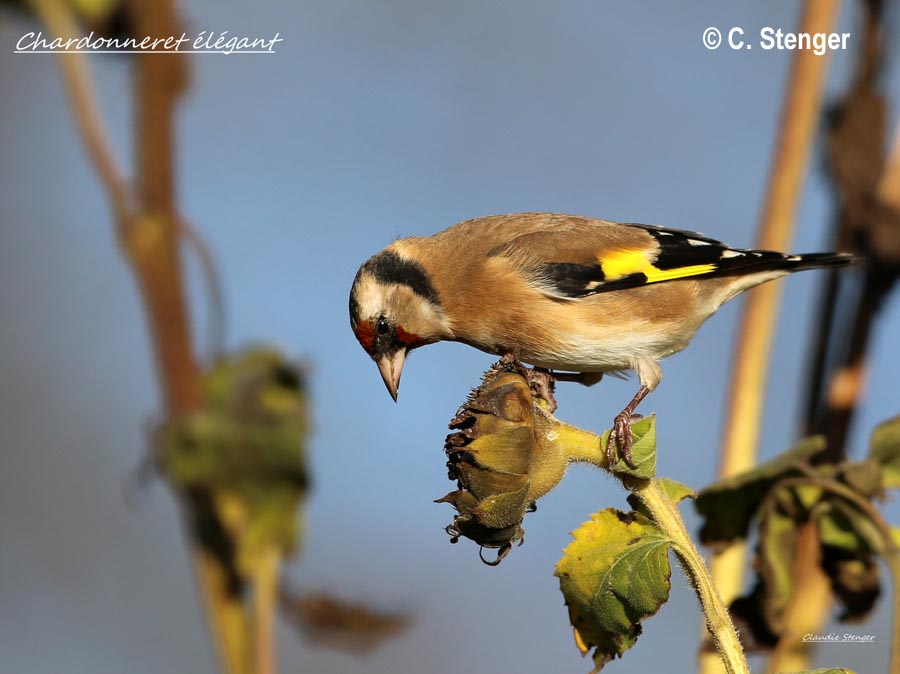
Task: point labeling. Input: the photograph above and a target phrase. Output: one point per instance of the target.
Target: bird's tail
(819, 260)
(749, 268)
(751, 262)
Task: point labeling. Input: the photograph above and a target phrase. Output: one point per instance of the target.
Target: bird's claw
(620, 438)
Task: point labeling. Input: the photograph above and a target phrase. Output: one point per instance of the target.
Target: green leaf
(885, 449)
(643, 449)
(674, 491)
(614, 574)
(729, 505)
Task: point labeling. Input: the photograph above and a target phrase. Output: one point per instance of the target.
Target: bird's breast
(579, 341)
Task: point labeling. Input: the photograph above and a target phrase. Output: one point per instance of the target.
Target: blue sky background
(376, 120)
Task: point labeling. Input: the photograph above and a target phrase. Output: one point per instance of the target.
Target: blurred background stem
(740, 441)
(265, 604)
(147, 224)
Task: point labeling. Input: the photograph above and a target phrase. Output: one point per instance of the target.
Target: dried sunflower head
(507, 450)
(492, 452)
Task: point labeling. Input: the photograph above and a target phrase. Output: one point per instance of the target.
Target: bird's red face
(370, 334)
(387, 344)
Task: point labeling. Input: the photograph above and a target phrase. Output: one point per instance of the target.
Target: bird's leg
(540, 381)
(620, 435)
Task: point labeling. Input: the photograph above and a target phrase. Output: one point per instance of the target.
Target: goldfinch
(559, 292)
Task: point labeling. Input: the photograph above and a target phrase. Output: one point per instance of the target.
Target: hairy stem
(667, 517)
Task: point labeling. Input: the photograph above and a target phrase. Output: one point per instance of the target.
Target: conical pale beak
(391, 367)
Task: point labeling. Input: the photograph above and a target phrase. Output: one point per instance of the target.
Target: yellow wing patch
(655, 275)
(618, 264)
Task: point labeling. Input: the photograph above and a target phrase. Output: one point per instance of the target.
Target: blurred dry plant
(742, 424)
(800, 559)
(239, 462)
(149, 227)
(231, 443)
(805, 512)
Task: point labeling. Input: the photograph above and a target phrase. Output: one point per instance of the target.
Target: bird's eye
(381, 326)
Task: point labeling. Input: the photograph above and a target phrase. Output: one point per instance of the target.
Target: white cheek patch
(370, 298)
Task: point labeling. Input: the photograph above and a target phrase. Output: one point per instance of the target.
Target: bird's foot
(620, 438)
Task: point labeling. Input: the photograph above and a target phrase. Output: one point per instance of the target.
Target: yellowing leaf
(613, 575)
